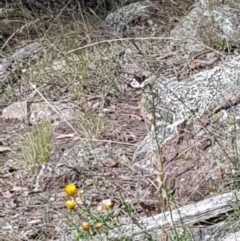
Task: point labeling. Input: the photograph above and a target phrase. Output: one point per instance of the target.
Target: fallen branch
(187, 216)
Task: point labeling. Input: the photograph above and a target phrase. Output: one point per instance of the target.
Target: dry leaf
(34, 221)
(133, 117)
(18, 188)
(76, 138)
(193, 64)
(4, 148)
(7, 194)
(111, 163)
(79, 201)
(65, 136)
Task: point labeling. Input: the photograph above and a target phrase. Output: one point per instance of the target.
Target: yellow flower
(107, 204)
(111, 204)
(71, 189)
(104, 207)
(86, 226)
(70, 204)
(98, 225)
(80, 192)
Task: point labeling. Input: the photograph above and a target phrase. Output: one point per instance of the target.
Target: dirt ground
(29, 214)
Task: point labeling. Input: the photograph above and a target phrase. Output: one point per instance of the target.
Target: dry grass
(34, 148)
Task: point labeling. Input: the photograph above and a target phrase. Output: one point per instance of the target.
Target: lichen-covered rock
(11, 65)
(195, 124)
(174, 102)
(102, 169)
(83, 160)
(121, 18)
(208, 23)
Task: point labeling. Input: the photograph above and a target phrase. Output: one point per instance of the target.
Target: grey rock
(188, 100)
(11, 65)
(121, 18)
(17, 110)
(27, 51)
(232, 237)
(192, 97)
(207, 21)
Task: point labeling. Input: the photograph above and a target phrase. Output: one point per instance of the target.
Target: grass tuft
(35, 147)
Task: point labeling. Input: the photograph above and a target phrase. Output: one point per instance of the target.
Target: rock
(38, 111)
(209, 23)
(124, 16)
(17, 110)
(53, 112)
(80, 162)
(196, 122)
(11, 65)
(174, 102)
(27, 51)
(232, 237)
(82, 158)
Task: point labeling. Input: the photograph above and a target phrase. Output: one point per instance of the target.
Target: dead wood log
(186, 216)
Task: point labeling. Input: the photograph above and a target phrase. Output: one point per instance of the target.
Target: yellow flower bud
(104, 207)
(71, 189)
(107, 204)
(111, 204)
(86, 226)
(70, 204)
(80, 192)
(98, 225)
